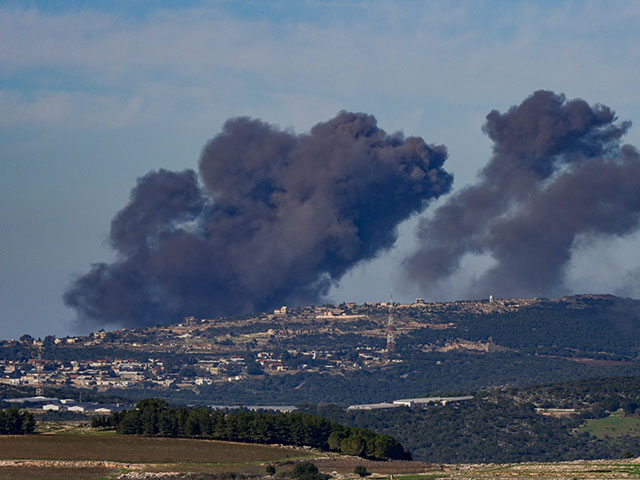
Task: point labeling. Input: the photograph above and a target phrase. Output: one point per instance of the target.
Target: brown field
(343, 464)
(108, 457)
(89, 457)
(85, 456)
(31, 472)
(130, 449)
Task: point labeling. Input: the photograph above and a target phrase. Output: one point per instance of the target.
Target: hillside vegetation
(514, 425)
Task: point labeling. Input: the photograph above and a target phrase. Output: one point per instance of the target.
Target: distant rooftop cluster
(52, 404)
(411, 402)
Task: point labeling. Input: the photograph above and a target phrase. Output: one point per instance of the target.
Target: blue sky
(96, 94)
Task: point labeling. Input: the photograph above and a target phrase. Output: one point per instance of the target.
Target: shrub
(307, 471)
(361, 470)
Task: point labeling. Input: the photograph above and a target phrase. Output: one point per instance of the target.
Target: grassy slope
(613, 426)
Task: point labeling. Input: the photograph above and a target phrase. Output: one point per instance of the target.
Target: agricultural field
(78, 453)
(106, 456)
(133, 449)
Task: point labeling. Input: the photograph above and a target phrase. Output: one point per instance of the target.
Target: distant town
(197, 352)
(526, 372)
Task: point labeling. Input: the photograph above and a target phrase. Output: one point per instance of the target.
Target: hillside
(85, 456)
(96, 457)
(586, 419)
(337, 354)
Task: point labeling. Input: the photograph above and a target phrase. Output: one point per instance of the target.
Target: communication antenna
(391, 337)
(39, 376)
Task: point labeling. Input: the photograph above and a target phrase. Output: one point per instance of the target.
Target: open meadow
(615, 425)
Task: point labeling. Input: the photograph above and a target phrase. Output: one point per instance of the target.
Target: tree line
(155, 417)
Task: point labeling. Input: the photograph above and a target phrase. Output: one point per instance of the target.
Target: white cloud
(411, 56)
(67, 109)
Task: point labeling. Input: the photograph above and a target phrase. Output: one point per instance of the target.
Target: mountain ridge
(339, 353)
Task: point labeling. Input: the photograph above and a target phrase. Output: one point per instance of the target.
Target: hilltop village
(195, 352)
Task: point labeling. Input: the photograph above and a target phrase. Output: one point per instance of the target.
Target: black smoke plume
(279, 218)
(558, 173)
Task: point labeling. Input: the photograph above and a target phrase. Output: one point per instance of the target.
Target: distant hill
(592, 326)
(553, 422)
(337, 354)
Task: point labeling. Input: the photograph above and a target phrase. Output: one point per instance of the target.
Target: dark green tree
(307, 471)
(354, 444)
(28, 422)
(361, 470)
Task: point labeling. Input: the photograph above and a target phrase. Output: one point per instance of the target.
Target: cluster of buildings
(411, 402)
(52, 404)
(100, 373)
(199, 352)
(117, 373)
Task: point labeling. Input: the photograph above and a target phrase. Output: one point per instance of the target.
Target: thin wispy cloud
(438, 51)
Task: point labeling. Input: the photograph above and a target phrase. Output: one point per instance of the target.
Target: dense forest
(503, 425)
(603, 327)
(606, 329)
(588, 394)
(155, 417)
(477, 432)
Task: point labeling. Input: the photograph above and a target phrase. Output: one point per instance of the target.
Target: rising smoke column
(278, 219)
(558, 173)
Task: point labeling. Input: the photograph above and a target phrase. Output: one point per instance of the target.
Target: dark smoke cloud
(279, 218)
(558, 173)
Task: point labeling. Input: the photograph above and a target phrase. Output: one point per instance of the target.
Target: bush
(361, 470)
(307, 471)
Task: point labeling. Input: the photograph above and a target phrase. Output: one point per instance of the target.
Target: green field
(613, 426)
